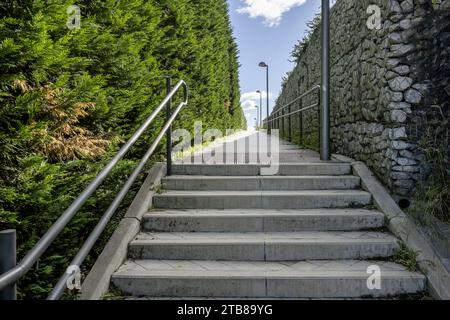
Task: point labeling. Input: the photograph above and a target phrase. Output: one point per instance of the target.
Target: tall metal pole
(260, 109)
(325, 110)
(8, 261)
(257, 116)
(169, 132)
(267, 94)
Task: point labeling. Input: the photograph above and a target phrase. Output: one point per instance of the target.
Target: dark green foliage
(70, 98)
(432, 197)
(301, 45)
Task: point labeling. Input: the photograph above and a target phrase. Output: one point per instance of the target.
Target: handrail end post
(325, 66)
(8, 261)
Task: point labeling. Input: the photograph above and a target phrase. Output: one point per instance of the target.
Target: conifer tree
(69, 97)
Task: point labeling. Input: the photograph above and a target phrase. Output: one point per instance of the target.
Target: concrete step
(262, 220)
(307, 199)
(244, 279)
(287, 169)
(286, 156)
(243, 183)
(261, 246)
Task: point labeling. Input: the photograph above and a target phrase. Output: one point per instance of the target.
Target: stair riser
(260, 251)
(272, 287)
(254, 170)
(310, 201)
(251, 184)
(262, 224)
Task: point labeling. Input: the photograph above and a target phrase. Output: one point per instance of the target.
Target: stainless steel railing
(277, 118)
(9, 278)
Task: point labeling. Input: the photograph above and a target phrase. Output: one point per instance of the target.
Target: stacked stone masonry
(388, 84)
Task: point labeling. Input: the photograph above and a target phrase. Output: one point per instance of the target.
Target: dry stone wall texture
(388, 85)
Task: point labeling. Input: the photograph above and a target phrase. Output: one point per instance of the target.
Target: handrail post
(279, 122)
(300, 117)
(319, 114)
(269, 129)
(325, 109)
(8, 261)
(169, 131)
(289, 125)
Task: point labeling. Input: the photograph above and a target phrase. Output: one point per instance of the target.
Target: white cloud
(248, 105)
(250, 100)
(254, 96)
(250, 119)
(270, 10)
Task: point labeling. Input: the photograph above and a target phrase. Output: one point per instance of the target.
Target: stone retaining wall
(388, 85)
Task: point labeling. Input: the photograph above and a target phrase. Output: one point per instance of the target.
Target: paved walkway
(251, 147)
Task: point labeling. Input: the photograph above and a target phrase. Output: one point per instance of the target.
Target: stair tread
(318, 163)
(257, 169)
(266, 193)
(307, 237)
(260, 213)
(200, 177)
(260, 269)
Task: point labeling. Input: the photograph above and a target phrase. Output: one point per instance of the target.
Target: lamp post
(260, 108)
(325, 92)
(265, 65)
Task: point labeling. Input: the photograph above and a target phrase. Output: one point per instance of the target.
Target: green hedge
(70, 97)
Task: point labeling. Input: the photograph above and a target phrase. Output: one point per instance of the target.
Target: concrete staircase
(224, 231)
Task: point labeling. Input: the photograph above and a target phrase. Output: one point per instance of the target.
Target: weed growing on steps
(113, 294)
(370, 207)
(403, 256)
(159, 188)
(406, 257)
(414, 296)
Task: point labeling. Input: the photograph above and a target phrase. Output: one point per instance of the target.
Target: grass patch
(159, 188)
(432, 196)
(406, 257)
(113, 294)
(413, 296)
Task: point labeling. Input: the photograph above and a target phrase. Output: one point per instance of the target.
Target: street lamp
(260, 108)
(265, 65)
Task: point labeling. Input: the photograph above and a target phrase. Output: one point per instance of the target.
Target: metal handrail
(316, 87)
(295, 112)
(41, 246)
(274, 119)
(275, 112)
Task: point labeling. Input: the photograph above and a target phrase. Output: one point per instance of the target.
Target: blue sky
(267, 30)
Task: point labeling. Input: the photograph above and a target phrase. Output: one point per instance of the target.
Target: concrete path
(245, 147)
